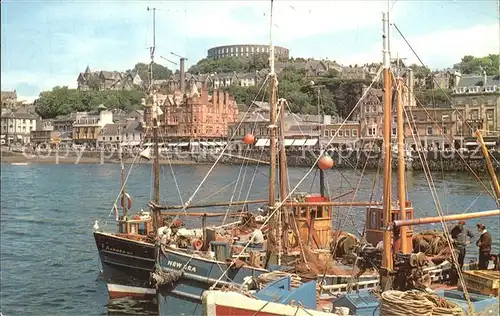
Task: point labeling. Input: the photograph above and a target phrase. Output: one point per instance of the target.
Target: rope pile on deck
(269, 277)
(416, 303)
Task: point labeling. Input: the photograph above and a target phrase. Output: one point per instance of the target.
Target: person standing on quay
(484, 244)
(459, 234)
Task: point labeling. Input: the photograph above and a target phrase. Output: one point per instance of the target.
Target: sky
(48, 43)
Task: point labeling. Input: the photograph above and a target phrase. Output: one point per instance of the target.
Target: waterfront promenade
(347, 159)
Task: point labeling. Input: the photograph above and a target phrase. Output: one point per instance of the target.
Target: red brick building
(198, 116)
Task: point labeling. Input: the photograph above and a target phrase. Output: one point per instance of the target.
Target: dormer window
(490, 89)
(473, 89)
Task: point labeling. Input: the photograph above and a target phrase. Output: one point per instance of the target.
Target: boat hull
(184, 295)
(127, 265)
(218, 303)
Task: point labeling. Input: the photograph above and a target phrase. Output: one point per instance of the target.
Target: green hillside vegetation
(337, 96)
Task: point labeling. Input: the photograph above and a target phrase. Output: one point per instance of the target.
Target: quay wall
(436, 160)
(349, 159)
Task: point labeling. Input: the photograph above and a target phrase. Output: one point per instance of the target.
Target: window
(372, 131)
(429, 130)
(394, 131)
(445, 130)
(355, 133)
(445, 117)
(347, 133)
(489, 115)
(326, 133)
(341, 133)
(374, 108)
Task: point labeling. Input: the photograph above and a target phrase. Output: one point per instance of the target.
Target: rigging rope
(245, 164)
(188, 202)
(124, 183)
(278, 205)
(451, 104)
(437, 203)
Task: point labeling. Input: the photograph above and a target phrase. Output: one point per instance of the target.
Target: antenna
(172, 62)
(152, 49)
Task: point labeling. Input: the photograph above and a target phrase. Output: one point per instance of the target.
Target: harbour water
(49, 263)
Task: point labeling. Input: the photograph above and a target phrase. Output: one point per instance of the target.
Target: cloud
(437, 48)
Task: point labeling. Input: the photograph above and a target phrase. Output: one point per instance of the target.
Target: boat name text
(179, 265)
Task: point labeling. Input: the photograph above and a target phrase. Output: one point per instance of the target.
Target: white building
(17, 126)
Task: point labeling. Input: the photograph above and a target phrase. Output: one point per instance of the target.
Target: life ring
(197, 244)
(129, 201)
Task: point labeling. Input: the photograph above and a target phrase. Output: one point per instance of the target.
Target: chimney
(215, 95)
(411, 83)
(182, 76)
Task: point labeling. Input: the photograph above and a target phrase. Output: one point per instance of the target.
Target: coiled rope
(416, 303)
(269, 277)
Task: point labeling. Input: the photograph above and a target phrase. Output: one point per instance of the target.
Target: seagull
(96, 225)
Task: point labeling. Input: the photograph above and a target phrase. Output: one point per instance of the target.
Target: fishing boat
(129, 256)
(276, 298)
(404, 276)
(299, 236)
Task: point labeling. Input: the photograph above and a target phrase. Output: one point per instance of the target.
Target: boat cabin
(314, 221)
(139, 224)
(375, 223)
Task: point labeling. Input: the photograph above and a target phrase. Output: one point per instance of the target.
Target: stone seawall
(436, 160)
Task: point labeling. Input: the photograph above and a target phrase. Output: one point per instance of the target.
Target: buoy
(325, 162)
(197, 244)
(129, 201)
(249, 139)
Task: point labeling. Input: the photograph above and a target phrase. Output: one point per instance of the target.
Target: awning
(2, 136)
(471, 144)
(134, 143)
(124, 144)
(262, 142)
(19, 137)
(299, 142)
(203, 143)
(172, 144)
(148, 144)
(490, 143)
(195, 144)
(211, 144)
(183, 144)
(288, 142)
(311, 142)
(219, 144)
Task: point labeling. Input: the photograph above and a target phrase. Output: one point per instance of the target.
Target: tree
(159, 72)
(62, 101)
(221, 65)
(476, 65)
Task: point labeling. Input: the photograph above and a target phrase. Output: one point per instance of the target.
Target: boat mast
(387, 256)
(272, 118)
(401, 166)
(283, 181)
(489, 166)
(321, 171)
(153, 101)
(124, 204)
